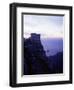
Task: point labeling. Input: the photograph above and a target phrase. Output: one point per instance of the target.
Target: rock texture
(35, 59)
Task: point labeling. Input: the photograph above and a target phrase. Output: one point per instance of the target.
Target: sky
(50, 29)
(46, 26)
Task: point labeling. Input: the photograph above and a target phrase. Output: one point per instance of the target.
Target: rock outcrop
(36, 61)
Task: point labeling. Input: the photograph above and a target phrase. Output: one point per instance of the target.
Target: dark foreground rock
(36, 61)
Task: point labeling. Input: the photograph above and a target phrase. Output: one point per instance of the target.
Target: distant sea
(52, 46)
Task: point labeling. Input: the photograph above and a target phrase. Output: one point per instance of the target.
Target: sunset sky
(46, 26)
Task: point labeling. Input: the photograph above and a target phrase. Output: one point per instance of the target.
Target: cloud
(47, 26)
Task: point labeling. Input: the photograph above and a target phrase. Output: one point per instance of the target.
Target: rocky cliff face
(35, 59)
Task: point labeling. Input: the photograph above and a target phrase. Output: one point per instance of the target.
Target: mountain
(56, 62)
(35, 59)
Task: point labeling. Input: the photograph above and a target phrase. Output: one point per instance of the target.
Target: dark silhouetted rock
(56, 63)
(35, 59)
